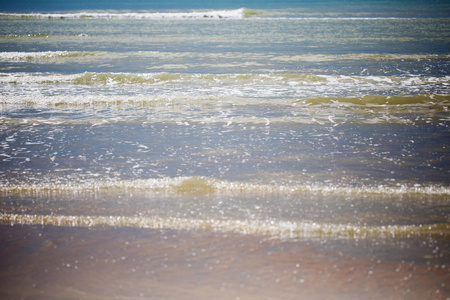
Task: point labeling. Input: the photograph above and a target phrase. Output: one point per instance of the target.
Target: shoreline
(51, 262)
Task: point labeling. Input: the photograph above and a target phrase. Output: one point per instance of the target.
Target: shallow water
(60, 262)
(310, 134)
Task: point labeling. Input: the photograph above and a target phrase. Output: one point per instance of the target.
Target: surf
(209, 185)
(153, 15)
(280, 229)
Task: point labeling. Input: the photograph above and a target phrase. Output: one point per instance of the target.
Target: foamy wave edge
(282, 229)
(306, 57)
(206, 185)
(44, 55)
(92, 78)
(214, 14)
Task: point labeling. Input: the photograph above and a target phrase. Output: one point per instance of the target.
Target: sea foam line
(308, 57)
(44, 55)
(282, 229)
(92, 78)
(214, 14)
(207, 185)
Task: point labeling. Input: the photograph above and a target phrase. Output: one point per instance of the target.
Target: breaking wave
(55, 55)
(44, 56)
(206, 185)
(214, 14)
(240, 13)
(91, 78)
(282, 229)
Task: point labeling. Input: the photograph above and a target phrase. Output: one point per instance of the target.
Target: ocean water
(316, 130)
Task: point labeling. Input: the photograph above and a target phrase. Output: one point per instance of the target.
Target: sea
(225, 149)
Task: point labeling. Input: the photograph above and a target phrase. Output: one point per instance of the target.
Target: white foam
(286, 80)
(212, 185)
(214, 14)
(282, 229)
(18, 56)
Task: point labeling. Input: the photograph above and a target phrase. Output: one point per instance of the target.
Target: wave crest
(204, 185)
(282, 229)
(214, 14)
(290, 80)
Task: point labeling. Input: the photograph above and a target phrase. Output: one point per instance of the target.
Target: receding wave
(91, 78)
(380, 100)
(214, 14)
(283, 229)
(206, 185)
(427, 101)
(359, 56)
(44, 56)
(53, 55)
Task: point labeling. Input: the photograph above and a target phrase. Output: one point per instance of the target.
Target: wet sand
(54, 262)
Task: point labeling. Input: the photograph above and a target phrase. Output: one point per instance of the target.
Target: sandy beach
(122, 263)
